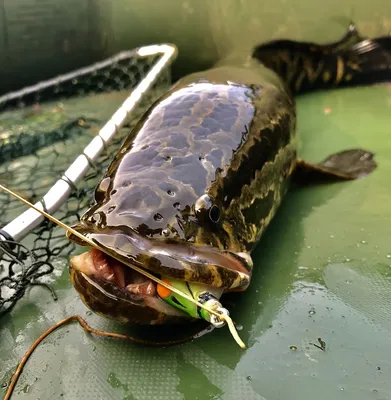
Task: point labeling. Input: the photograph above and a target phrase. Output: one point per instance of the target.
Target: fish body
(194, 186)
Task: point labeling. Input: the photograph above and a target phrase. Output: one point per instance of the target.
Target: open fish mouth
(114, 290)
(96, 263)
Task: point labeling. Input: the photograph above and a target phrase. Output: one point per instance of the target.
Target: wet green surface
(323, 270)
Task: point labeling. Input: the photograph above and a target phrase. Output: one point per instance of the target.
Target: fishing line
(219, 316)
(88, 329)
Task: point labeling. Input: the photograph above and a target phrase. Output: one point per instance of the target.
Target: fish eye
(205, 208)
(214, 214)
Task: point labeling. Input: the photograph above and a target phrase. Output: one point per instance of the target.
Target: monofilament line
(93, 244)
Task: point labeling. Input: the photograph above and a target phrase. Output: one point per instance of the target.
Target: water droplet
(378, 368)
(111, 209)
(177, 206)
(363, 241)
(104, 184)
(239, 327)
(248, 378)
(168, 158)
(342, 388)
(294, 348)
(126, 184)
(347, 259)
(4, 385)
(165, 232)
(332, 236)
(348, 282)
(309, 247)
(301, 267)
(113, 380)
(171, 193)
(375, 391)
(312, 311)
(388, 255)
(96, 218)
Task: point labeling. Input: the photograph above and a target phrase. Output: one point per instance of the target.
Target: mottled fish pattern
(204, 171)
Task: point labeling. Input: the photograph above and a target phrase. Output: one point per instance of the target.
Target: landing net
(63, 133)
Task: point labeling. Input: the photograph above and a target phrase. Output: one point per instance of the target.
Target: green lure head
(203, 294)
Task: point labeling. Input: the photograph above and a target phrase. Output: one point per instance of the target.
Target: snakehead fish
(198, 180)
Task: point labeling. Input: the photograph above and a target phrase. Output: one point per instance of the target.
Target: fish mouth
(116, 291)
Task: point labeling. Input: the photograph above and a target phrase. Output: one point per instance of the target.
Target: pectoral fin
(345, 165)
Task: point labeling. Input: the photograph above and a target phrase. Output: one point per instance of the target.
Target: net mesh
(42, 131)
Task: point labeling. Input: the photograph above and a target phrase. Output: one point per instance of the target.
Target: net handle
(60, 191)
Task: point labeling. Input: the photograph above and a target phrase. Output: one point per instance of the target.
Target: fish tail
(351, 61)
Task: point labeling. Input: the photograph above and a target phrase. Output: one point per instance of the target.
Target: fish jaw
(111, 290)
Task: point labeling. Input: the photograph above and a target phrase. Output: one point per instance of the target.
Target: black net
(42, 131)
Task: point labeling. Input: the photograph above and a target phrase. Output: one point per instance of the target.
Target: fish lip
(126, 240)
(138, 240)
